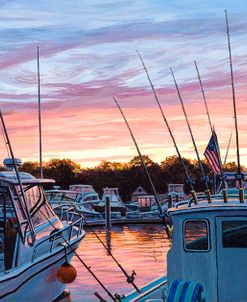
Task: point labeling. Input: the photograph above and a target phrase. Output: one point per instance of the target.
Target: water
(141, 248)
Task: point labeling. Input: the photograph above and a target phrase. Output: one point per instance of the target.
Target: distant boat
(117, 206)
(87, 193)
(34, 242)
(62, 200)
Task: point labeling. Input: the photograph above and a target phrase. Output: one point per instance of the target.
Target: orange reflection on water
(141, 248)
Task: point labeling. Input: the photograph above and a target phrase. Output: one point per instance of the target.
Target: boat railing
(59, 237)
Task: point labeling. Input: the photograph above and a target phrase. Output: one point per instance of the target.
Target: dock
(125, 221)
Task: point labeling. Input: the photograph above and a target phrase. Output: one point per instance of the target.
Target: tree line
(126, 176)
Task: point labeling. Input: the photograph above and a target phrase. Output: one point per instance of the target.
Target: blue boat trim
(153, 285)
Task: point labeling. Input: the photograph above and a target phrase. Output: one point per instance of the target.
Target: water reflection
(141, 248)
(108, 241)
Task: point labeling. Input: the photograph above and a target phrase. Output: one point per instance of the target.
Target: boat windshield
(59, 196)
(39, 208)
(82, 189)
(36, 203)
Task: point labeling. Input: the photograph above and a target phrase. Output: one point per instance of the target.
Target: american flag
(211, 154)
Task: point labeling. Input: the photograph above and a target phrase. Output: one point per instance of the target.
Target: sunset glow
(88, 55)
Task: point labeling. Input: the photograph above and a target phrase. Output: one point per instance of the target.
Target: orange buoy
(66, 273)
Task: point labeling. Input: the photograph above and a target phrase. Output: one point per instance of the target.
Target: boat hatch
(192, 256)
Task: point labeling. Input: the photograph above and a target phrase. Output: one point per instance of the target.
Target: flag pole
(239, 175)
(215, 138)
(189, 180)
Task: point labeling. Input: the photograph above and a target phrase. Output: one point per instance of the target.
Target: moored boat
(116, 204)
(62, 200)
(207, 255)
(34, 242)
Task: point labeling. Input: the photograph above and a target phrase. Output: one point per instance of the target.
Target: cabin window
(234, 233)
(196, 236)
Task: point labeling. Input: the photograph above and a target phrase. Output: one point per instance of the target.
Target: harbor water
(141, 248)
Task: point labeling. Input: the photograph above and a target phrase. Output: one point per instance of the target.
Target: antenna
(39, 109)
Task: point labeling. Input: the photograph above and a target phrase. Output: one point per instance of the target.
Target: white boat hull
(35, 282)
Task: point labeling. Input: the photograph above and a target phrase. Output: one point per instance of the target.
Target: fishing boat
(35, 245)
(206, 261)
(62, 200)
(117, 206)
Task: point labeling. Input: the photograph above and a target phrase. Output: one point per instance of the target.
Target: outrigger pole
(188, 178)
(26, 211)
(213, 133)
(39, 109)
(239, 175)
(204, 177)
(167, 228)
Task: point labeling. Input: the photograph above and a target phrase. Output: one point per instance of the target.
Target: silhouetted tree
(62, 170)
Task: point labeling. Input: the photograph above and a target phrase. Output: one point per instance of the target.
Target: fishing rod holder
(190, 181)
(239, 176)
(131, 278)
(206, 179)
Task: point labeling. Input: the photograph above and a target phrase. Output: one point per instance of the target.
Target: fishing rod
(188, 178)
(167, 228)
(227, 149)
(204, 97)
(225, 159)
(130, 278)
(204, 177)
(116, 297)
(26, 211)
(239, 175)
(225, 195)
(39, 111)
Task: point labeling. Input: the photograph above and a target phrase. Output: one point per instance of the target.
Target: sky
(88, 55)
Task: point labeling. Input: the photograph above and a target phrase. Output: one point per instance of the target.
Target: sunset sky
(88, 55)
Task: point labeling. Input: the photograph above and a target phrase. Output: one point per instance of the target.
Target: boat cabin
(22, 221)
(145, 203)
(210, 247)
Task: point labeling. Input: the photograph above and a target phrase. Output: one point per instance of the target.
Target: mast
(239, 176)
(39, 115)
